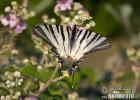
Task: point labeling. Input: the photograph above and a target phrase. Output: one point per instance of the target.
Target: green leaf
(32, 71)
(3, 90)
(44, 75)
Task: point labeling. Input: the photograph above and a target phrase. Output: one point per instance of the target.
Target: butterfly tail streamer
(73, 78)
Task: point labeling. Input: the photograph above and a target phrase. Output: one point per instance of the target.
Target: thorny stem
(58, 79)
(43, 86)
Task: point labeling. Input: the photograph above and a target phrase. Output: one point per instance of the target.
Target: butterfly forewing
(57, 36)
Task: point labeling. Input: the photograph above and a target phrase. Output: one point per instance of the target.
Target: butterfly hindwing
(88, 42)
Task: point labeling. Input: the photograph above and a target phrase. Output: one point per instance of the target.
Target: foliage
(29, 69)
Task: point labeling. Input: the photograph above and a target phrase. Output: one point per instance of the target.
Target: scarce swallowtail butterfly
(69, 41)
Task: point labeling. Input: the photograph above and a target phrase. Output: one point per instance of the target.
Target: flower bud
(80, 12)
(39, 67)
(53, 20)
(8, 96)
(66, 20)
(2, 98)
(20, 80)
(87, 26)
(92, 23)
(7, 9)
(14, 52)
(13, 84)
(13, 3)
(8, 82)
(18, 94)
(19, 83)
(25, 61)
(32, 13)
(77, 17)
(17, 74)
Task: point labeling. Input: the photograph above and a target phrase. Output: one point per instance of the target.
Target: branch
(43, 86)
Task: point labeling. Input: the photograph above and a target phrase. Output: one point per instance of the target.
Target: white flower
(8, 96)
(53, 20)
(87, 26)
(8, 82)
(8, 86)
(130, 51)
(13, 84)
(13, 3)
(4, 21)
(20, 80)
(66, 20)
(25, 61)
(14, 52)
(7, 9)
(32, 13)
(18, 94)
(72, 96)
(39, 67)
(17, 74)
(80, 12)
(92, 23)
(24, 10)
(19, 83)
(77, 17)
(2, 97)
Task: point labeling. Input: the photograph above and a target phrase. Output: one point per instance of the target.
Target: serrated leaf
(42, 75)
(30, 70)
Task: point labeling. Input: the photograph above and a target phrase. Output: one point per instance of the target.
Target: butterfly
(70, 41)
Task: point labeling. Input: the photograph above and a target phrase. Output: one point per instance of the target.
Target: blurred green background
(118, 20)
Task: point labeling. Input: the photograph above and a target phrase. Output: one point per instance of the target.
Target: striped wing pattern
(71, 42)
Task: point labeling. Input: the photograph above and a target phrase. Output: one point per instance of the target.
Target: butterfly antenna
(60, 72)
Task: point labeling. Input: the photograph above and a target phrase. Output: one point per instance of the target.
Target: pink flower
(63, 5)
(13, 22)
(31, 98)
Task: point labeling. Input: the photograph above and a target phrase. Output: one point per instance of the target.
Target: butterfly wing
(57, 36)
(87, 42)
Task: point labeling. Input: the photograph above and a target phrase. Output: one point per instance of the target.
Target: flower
(63, 5)
(77, 6)
(31, 98)
(13, 22)
(17, 74)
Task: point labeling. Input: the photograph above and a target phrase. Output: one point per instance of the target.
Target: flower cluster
(133, 54)
(47, 54)
(75, 15)
(14, 20)
(16, 80)
(47, 20)
(7, 97)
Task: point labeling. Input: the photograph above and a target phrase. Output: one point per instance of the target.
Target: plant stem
(136, 82)
(42, 59)
(43, 86)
